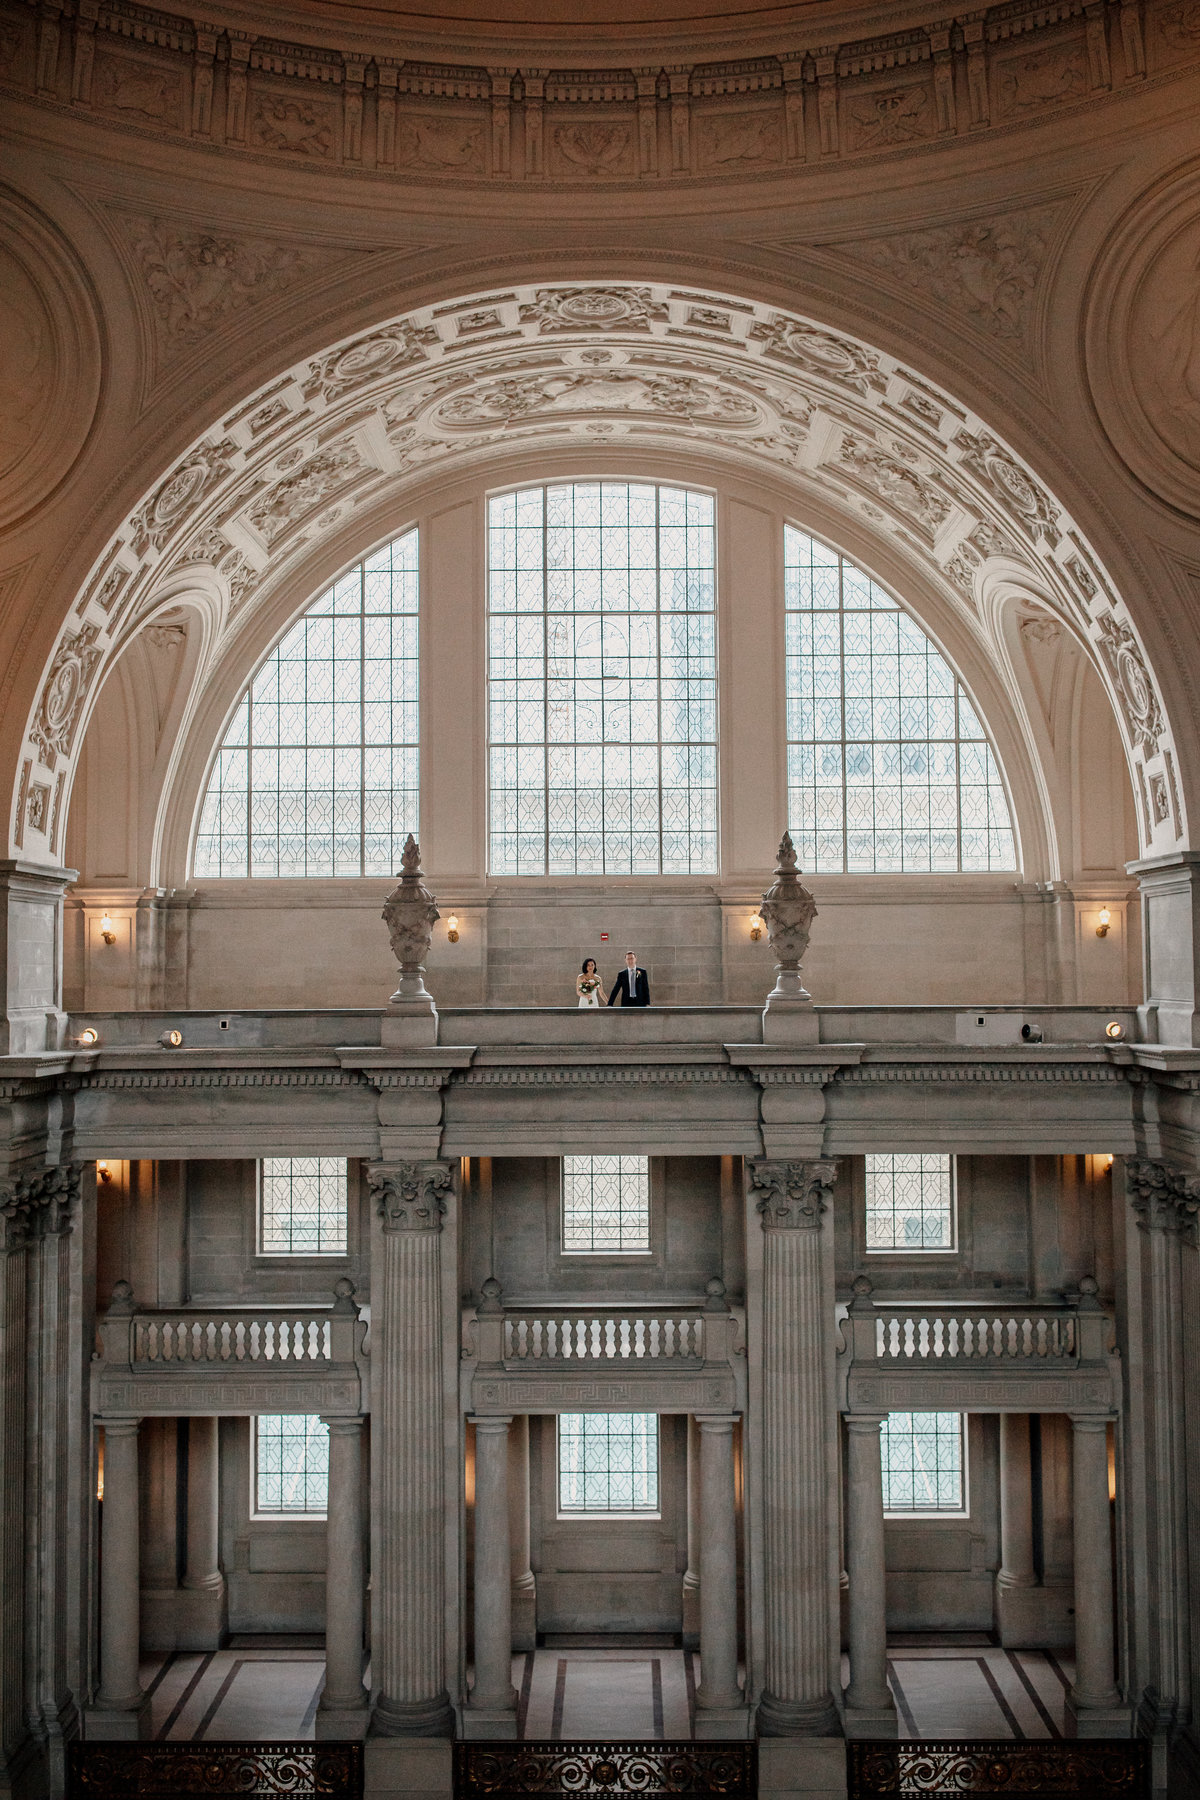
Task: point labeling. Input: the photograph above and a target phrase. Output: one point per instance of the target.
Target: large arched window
(602, 681)
(888, 765)
(318, 771)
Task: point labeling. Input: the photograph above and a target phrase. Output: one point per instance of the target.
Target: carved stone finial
(716, 1301)
(862, 1290)
(787, 911)
(410, 914)
(343, 1297)
(1089, 1289)
(121, 1305)
(491, 1302)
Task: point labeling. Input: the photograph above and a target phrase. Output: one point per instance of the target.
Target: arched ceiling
(623, 368)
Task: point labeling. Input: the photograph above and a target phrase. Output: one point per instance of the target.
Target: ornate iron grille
(502, 1771)
(1077, 1769)
(105, 1771)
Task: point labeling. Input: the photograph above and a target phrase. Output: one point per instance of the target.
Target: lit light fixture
(756, 927)
(1114, 1029)
(1109, 1160)
(171, 1040)
(452, 928)
(89, 1035)
(103, 1172)
(1105, 922)
(106, 930)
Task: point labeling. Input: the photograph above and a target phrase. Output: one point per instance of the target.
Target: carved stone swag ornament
(410, 914)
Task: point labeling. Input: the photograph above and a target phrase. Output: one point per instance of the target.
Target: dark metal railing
(186, 1771)
(1071, 1768)
(507, 1770)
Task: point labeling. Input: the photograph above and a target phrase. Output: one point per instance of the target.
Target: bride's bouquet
(588, 984)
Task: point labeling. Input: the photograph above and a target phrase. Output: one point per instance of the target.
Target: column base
(797, 1718)
(724, 1722)
(489, 1722)
(413, 1718)
(407, 1768)
(343, 1723)
(870, 1721)
(814, 1769)
(117, 1724)
(1112, 1721)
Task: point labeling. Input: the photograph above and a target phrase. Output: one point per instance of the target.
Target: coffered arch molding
(635, 367)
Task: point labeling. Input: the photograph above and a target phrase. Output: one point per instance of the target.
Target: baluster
(909, 1337)
(1042, 1339)
(938, 1340)
(923, 1337)
(592, 1339)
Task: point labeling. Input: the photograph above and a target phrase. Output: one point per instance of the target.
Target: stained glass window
(318, 771)
(602, 681)
(291, 1463)
(910, 1201)
(607, 1462)
(889, 768)
(924, 1462)
(302, 1206)
(606, 1205)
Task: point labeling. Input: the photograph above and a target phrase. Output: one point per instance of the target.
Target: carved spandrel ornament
(792, 1195)
(788, 910)
(410, 914)
(411, 1196)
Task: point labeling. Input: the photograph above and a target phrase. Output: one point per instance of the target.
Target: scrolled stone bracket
(1164, 1198)
(411, 1196)
(792, 1196)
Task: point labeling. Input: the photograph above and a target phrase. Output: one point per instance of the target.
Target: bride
(587, 984)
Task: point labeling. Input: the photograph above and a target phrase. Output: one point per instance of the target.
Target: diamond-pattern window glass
(317, 774)
(910, 1201)
(606, 1205)
(608, 1463)
(291, 1463)
(924, 1462)
(889, 768)
(302, 1206)
(602, 681)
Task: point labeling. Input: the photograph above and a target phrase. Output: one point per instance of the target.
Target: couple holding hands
(632, 984)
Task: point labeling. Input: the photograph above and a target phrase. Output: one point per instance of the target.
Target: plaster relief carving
(592, 149)
(1046, 78)
(593, 309)
(1020, 496)
(894, 115)
(142, 89)
(1131, 679)
(1177, 26)
(446, 145)
(823, 353)
(195, 477)
(626, 391)
(37, 807)
(895, 481)
(961, 567)
(987, 268)
(1160, 805)
(197, 279)
(61, 704)
(297, 127)
(274, 513)
(730, 140)
(369, 359)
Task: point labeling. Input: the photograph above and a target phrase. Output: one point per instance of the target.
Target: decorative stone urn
(410, 914)
(787, 911)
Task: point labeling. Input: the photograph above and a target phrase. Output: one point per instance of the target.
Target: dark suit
(633, 985)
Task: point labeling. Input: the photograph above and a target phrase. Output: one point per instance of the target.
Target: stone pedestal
(1170, 947)
(397, 1768)
(31, 1018)
(343, 1712)
(493, 1709)
(870, 1709)
(121, 1709)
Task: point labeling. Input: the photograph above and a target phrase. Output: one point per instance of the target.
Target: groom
(633, 984)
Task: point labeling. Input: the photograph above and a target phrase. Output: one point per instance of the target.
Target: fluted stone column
(523, 1583)
(719, 1708)
(408, 1642)
(1016, 1578)
(121, 1706)
(870, 1709)
(797, 1324)
(1093, 1701)
(201, 1607)
(691, 1575)
(342, 1712)
(493, 1698)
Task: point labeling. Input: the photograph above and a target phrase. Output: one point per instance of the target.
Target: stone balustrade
(554, 1336)
(231, 1337)
(993, 1336)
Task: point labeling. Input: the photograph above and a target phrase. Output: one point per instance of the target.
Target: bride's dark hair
(586, 961)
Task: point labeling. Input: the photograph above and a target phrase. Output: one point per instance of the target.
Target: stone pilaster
(799, 1573)
(720, 1711)
(493, 1710)
(870, 1709)
(342, 1712)
(409, 1580)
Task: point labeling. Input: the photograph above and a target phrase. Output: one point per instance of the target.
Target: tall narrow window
(318, 771)
(602, 681)
(608, 1463)
(606, 1205)
(889, 768)
(291, 1464)
(924, 1462)
(910, 1201)
(302, 1206)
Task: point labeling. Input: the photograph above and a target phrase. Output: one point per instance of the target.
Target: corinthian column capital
(36, 1205)
(411, 1196)
(1164, 1198)
(791, 1195)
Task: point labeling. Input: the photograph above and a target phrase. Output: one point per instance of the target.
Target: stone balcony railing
(232, 1360)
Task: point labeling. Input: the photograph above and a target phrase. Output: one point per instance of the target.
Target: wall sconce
(89, 1035)
(452, 928)
(1105, 922)
(171, 1040)
(756, 927)
(106, 930)
(1114, 1029)
(103, 1172)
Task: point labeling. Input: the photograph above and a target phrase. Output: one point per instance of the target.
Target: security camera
(1032, 1034)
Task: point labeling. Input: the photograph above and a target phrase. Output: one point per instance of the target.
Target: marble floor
(261, 1688)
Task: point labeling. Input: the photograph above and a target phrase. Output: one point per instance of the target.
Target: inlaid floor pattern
(254, 1690)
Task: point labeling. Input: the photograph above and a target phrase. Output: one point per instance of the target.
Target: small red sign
(604, 937)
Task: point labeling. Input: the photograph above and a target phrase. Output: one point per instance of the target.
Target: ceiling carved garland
(370, 107)
(650, 367)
